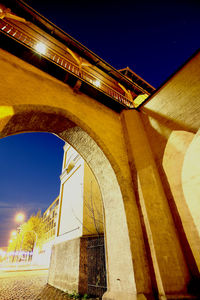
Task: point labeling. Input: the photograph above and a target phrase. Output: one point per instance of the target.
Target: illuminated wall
(93, 218)
(80, 211)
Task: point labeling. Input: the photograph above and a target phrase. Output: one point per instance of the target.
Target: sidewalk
(51, 293)
(21, 267)
(30, 285)
(20, 284)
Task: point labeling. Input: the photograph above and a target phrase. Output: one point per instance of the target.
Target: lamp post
(19, 218)
(13, 234)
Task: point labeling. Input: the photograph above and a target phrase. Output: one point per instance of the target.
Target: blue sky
(31, 164)
(153, 38)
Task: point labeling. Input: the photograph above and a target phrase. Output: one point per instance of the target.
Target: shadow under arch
(120, 273)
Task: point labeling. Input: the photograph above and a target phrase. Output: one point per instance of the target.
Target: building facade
(50, 220)
(80, 224)
(80, 209)
(42, 256)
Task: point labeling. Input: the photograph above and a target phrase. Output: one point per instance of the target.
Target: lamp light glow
(97, 83)
(13, 233)
(41, 48)
(19, 217)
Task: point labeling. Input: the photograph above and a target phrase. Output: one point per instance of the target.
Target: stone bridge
(142, 146)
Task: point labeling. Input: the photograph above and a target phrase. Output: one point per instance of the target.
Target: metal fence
(97, 285)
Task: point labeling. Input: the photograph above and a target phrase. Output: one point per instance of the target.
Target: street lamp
(13, 233)
(19, 218)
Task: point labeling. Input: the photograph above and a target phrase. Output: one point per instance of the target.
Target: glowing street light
(40, 47)
(13, 233)
(19, 217)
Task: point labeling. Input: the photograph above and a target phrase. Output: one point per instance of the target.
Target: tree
(32, 232)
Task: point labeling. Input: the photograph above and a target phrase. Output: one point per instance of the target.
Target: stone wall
(171, 121)
(71, 270)
(64, 265)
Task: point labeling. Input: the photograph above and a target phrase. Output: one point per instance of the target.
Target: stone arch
(45, 119)
(31, 100)
(177, 159)
(111, 195)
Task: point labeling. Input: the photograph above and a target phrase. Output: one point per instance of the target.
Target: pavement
(27, 283)
(22, 268)
(22, 284)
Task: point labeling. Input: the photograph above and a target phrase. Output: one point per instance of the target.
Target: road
(22, 285)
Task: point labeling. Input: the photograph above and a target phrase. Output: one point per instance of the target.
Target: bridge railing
(30, 41)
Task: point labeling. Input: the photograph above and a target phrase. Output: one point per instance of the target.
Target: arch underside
(32, 101)
(27, 118)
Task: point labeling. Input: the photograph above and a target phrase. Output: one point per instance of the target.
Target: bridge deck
(81, 71)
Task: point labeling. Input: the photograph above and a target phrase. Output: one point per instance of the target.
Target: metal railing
(54, 56)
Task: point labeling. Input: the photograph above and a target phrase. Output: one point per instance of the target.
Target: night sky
(153, 38)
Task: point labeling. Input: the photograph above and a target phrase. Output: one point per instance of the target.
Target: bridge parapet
(49, 47)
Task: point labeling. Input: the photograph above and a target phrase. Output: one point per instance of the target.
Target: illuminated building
(80, 204)
(42, 256)
(50, 219)
(81, 219)
(80, 211)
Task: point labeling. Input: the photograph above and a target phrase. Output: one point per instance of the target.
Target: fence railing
(31, 41)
